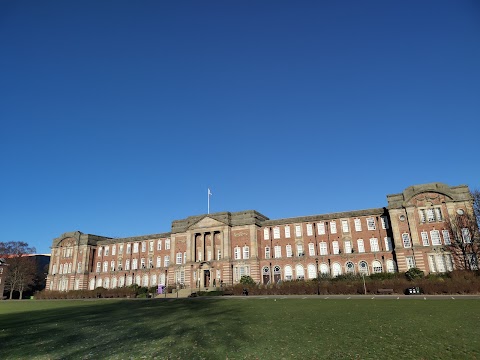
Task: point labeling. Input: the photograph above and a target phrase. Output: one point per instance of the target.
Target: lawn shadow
(124, 329)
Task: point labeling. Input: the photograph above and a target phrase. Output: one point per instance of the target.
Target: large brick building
(213, 249)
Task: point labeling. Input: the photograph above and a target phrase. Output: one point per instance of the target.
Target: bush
(414, 273)
(247, 280)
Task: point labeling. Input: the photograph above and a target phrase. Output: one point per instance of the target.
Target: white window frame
(374, 246)
(278, 252)
(333, 227)
(298, 231)
(167, 244)
(371, 225)
(323, 248)
(276, 232)
(425, 240)
(345, 227)
(246, 252)
(287, 232)
(266, 234)
(311, 249)
(348, 247)
(385, 224)
(407, 242)
(335, 247)
(361, 246)
(388, 243)
(309, 230)
(321, 228)
(435, 236)
(358, 224)
(289, 251)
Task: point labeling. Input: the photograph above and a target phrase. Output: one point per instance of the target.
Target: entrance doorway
(206, 278)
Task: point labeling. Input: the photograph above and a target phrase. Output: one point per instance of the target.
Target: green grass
(243, 328)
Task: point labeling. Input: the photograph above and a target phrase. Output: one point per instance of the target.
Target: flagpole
(208, 201)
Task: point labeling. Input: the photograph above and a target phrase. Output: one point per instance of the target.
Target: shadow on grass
(189, 328)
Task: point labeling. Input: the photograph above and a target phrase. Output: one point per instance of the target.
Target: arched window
(99, 282)
(391, 266)
(114, 282)
(277, 274)
(324, 269)
(350, 268)
(121, 281)
(106, 283)
(377, 266)
(336, 269)
(288, 272)
(363, 267)
(129, 280)
(145, 281)
(265, 275)
(153, 280)
(91, 285)
(137, 280)
(161, 279)
(312, 273)
(300, 271)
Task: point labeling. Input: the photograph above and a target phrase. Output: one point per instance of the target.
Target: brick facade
(213, 249)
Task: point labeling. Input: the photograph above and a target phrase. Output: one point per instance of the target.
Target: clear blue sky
(117, 115)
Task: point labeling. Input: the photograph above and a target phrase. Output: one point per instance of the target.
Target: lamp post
(318, 278)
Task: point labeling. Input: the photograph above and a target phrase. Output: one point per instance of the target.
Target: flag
(209, 192)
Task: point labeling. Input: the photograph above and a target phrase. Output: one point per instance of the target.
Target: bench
(385, 291)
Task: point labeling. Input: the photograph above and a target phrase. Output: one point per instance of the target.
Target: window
(298, 231)
(384, 221)
(199, 255)
(79, 267)
(440, 262)
(278, 251)
(425, 241)
(371, 224)
(300, 272)
(390, 266)
(236, 253)
(100, 250)
(142, 263)
(246, 252)
(406, 240)
(107, 250)
(114, 250)
(134, 264)
(300, 251)
(112, 265)
(312, 272)
(345, 226)
(321, 228)
(288, 272)
(309, 230)
(410, 262)
(324, 269)
(446, 237)
(105, 266)
(336, 270)
(287, 232)
(127, 264)
(333, 227)
(167, 244)
(119, 265)
(99, 265)
(311, 249)
(348, 247)
(267, 252)
(135, 248)
(54, 269)
(358, 225)
(435, 235)
(184, 257)
(323, 248)
(388, 244)
(166, 260)
(159, 261)
(120, 249)
(150, 246)
(466, 236)
(374, 245)
(159, 245)
(266, 234)
(129, 248)
(144, 246)
(361, 246)
(178, 258)
(209, 255)
(219, 254)
(276, 232)
(431, 214)
(60, 271)
(289, 251)
(350, 268)
(336, 249)
(377, 266)
(472, 261)
(363, 268)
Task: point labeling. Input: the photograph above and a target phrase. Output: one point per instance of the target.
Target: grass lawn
(241, 328)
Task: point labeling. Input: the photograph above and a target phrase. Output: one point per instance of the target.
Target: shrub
(247, 280)
(414, 273)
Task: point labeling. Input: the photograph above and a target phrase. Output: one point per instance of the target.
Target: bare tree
(464, 234)
(21, 269)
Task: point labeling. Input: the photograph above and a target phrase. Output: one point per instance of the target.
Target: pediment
(206, 222)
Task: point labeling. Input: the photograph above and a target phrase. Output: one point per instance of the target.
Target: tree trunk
(21, 295)
(11, 294)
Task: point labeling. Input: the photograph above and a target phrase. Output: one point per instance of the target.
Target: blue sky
(118, 115)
